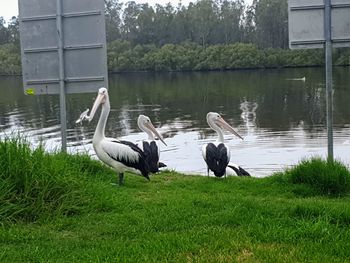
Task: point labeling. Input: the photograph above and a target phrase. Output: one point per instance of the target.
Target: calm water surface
(282, 120)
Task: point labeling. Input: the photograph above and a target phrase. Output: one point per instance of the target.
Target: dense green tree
(248, 24)
(113, 19)
(4, 34)
(164, 24)
(10, 59)
(229, 28)
(146, 25)
(271, 19)
(129, 27)
(204, 19)
(182, 29)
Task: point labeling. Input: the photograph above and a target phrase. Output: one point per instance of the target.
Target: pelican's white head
(217, 123)
(102, 98)
(145, 124)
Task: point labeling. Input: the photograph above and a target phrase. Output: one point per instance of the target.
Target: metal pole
(329, 91)
(61, 76)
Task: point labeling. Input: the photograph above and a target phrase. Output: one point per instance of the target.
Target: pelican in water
(121, 155)
(149, 146)
(217, 154)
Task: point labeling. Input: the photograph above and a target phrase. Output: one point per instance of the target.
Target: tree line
(205, 35)
(204, 22)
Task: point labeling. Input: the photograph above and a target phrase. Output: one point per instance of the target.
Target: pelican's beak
(222, 123)
(98, 101)
(150, 126)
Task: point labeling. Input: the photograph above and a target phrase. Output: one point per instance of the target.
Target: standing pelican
(120, 155)
(217, 154)
(149, 147)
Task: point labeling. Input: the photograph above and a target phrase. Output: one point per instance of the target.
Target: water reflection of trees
(282, 104)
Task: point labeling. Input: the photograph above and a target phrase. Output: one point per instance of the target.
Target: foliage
(36, 185)
(322, 177)
(204, 22)
(113, 20)
(122, 56)
(271, 18)
(10, 60)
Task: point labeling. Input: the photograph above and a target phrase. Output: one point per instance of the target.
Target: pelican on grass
(217, 154)
(149, 146)
(233, 169)
(121, 155)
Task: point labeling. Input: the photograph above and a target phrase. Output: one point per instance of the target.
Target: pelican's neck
(101, 125)
(149, 133)
(218, 131)
(220, 135)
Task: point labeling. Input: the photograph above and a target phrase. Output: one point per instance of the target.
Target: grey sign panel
(84, 46)
(306, 23)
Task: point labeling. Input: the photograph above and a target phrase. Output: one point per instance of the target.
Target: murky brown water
(282, 120)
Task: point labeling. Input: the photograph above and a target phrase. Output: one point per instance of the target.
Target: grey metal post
(61, 76)
(329, 90)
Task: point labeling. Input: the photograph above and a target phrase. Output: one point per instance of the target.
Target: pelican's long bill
(100, 98)
(223, 124)
(150, 126)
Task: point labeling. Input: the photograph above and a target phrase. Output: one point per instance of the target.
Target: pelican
(120, 155)
(149, 147)
(217, 154)
(234, 169)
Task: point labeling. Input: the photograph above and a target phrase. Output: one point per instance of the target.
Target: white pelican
(217, 154)
(120, 155)
(149, 147)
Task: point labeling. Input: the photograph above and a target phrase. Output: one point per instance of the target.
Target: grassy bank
(173, 218)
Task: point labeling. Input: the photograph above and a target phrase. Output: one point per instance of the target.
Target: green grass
(319, 177)
(36, 185)
(173, 218)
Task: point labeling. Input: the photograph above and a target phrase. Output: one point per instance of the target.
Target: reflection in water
(281, 121)
(248, 116)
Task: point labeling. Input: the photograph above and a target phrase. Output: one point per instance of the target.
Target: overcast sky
(9, 8)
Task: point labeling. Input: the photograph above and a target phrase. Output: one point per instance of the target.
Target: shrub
(325, 178)
(35, 184)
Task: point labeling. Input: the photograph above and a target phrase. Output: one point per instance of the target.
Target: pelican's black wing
(150, 150)
(128, 154)
(217, 158)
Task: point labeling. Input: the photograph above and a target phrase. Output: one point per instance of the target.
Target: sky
(9, 8)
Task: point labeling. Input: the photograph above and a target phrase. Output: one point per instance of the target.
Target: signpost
(321, 24)
(63, 49)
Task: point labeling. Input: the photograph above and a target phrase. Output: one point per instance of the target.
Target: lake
(281, 117)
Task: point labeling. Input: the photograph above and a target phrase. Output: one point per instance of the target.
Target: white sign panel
(306, 23)
(84, 46)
